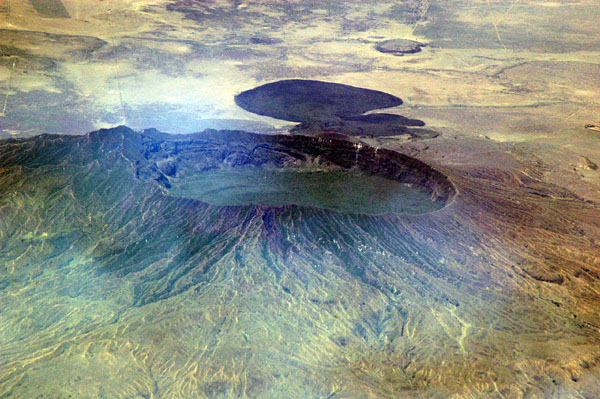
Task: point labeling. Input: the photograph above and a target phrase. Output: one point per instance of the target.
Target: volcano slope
(118, 281)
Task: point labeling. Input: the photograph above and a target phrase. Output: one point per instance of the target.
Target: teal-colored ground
(341, 190)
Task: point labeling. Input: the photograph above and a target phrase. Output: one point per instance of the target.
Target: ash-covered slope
(115, 285)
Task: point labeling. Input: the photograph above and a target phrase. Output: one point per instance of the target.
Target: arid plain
(114, 288)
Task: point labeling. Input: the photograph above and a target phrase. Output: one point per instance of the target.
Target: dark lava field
(325, 108)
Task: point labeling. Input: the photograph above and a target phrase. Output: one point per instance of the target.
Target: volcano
(126, 273)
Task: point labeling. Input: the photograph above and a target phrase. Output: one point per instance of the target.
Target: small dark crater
(399, 47)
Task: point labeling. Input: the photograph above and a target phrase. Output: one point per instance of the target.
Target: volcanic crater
(240, 168)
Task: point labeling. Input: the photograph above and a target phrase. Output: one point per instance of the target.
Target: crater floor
(341, 190)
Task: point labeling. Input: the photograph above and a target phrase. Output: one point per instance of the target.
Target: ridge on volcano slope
(112, 286)
(330, 107)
